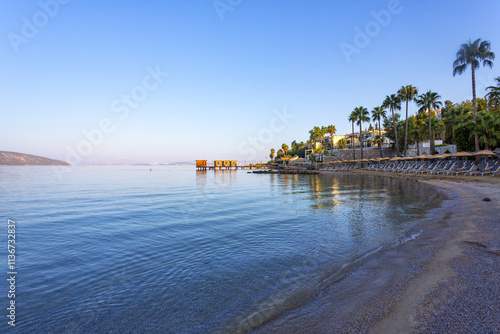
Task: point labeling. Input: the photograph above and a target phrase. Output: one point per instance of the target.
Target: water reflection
(359, 202)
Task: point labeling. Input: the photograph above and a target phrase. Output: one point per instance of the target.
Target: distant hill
(181, 163)
(21, 159)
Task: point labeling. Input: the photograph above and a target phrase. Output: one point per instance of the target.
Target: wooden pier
(225, 164)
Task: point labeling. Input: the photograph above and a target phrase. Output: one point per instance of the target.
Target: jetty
(226, 164)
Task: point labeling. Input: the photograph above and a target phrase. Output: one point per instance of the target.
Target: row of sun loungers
(446, 167)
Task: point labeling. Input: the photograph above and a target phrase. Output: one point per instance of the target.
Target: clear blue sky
(68, 67)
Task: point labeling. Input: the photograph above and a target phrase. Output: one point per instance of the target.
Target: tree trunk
(379, 137)
(406, 127)
(432, 148)
(361, 139)
(476, 137)
(395, 131)
(418, 148)
(352, 143)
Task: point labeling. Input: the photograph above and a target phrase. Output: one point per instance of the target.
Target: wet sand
(444, 281)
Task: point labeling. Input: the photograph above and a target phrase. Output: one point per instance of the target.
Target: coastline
(446, 280)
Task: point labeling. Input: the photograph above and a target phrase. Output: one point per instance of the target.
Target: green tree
(390, 131)
(341, 143)
(454, 116)
(284, 147)
(271, 155)
(488, 129)
(464, 139)
(427, 102)
(493, 96)
(280, 153)
(417, 131)
(393, 102)
(317, 132)
(377, 114)
(361, 116)
(472, 53)
(331, 130)
(407, 93)
(353, 118)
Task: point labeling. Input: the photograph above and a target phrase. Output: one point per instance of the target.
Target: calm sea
(134, 249)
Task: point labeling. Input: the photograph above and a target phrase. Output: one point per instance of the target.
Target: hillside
(21, 159)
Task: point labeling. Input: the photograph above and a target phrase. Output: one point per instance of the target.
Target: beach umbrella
(421, 157)
(483, 153)
(461, 154)
(395, 159)
(407, 158)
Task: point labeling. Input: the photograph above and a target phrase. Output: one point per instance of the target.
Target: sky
(178, 80)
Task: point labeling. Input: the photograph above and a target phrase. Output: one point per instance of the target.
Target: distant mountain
(21, 159)
(181, 163)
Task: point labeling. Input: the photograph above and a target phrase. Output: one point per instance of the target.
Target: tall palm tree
(428, 102)
(407, 93)
(272, 154)
(417, 129)
(361, 116)
(472, 53)
(285, 148)
(377, 114)
(353, 118)
(280, 153)
(295, 146)
(393, 102)
(331, 130)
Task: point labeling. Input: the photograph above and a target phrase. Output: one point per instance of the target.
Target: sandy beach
(443, 281)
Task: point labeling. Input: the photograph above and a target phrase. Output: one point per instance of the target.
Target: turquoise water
(129, 249)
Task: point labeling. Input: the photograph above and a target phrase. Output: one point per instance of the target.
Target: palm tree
(280, 153)
(456, 115)
(494, 94)
(488, 129)
(285, 148)
(428, 102)
(295, 146)
(361, 116)
(417, 129)
(494, 91)
(341, 143)
(407, 93)
(331, 130)
(472, 53)
(377, 114)
(393, 102)
(272, 154)
(353, 118)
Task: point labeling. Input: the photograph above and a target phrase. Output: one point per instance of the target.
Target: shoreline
(446, 280)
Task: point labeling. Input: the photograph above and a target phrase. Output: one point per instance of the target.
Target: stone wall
(368, 153)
